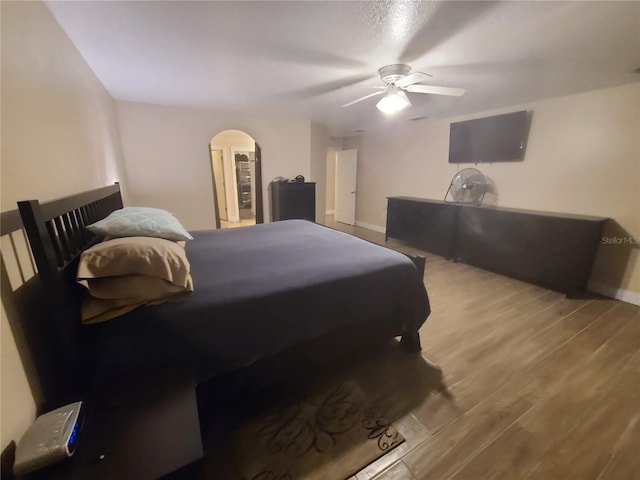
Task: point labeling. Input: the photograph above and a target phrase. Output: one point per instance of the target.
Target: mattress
(259, 290)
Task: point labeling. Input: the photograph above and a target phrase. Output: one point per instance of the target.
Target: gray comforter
(259, 290)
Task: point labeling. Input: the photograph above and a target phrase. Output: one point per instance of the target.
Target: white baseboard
(371, 226)
(330, 212)
(621, 294)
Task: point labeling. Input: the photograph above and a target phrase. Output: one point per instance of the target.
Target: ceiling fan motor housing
(390, 74)
(397, 79)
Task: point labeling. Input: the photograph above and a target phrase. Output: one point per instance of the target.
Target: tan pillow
(149, 256)
(98, 309)
(95, 310)
(130, 286)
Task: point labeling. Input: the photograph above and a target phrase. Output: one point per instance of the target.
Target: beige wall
(319, 146)
(583, 157)
(59, 133)
(167, 154)
(18, 405)
(59, 136)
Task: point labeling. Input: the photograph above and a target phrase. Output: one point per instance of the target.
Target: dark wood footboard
(411, 341)
(419, 261)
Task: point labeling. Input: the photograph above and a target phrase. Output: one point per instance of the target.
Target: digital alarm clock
(51, 438)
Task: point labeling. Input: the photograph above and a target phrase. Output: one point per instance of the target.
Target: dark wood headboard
(57, 235)
(56, 229)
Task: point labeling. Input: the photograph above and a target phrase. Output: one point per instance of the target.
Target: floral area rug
(329, 436)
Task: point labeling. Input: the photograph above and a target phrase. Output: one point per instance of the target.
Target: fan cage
(468, 177)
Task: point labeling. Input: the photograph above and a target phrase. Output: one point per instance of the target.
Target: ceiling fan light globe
(393, 102)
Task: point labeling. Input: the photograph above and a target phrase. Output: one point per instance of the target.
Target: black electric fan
(468, 186)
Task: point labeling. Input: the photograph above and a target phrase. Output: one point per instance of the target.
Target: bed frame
(57, 235)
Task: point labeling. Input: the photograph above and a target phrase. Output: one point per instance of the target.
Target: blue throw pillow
(140, 222)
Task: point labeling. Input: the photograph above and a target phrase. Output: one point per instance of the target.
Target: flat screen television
(501, 138)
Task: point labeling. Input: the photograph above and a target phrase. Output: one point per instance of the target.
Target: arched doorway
(237, 179)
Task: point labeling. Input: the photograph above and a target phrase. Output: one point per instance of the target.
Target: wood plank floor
(538, 386)
(514, 382)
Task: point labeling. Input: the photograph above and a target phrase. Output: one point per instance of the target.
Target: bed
(258, 290)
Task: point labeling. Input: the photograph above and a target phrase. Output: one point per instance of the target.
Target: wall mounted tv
(501, 138)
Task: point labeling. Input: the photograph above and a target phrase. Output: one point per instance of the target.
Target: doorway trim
(217, 148)
(259, 214)
(346, 186)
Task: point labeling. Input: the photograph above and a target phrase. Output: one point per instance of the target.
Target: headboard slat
(55, 242)
(70, 233)
(86, 235)
(90, 213)
(78, 237)
(84, 221)
(63, 240)
(40, 239)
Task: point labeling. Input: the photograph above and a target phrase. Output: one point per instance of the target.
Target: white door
(346, 174)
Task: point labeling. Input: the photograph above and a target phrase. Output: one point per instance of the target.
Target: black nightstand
(144, 431)
(291, 200)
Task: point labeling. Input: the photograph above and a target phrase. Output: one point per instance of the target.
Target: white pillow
(140, 222)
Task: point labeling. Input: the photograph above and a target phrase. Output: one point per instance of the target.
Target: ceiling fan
(397, 80)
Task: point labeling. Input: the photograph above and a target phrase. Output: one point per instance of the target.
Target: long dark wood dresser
(548, 249)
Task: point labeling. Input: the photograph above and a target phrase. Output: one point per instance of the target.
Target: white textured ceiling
(311, 57)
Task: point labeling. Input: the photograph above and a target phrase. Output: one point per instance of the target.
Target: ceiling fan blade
(316, 90)
(445, 20)
(412, 78)
(362, 98)
(454, 92)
